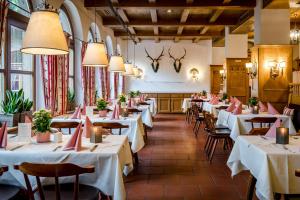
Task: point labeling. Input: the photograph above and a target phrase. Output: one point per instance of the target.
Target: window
(67, 27)
(20, 6)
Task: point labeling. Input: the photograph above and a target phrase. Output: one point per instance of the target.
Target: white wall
(218, 56)
(199, 55)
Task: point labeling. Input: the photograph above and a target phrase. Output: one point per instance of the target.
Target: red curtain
(105, 82)
(116, 84)
(55, 75)
(3, 18)
(88, 80)
(123, 84)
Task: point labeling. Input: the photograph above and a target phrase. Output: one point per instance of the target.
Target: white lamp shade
(116, 64)
(95, 55)
(44, 35)
(128, 70)
(136, 71)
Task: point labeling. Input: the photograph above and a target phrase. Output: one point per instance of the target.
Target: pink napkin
(238, 110)
(84, 109)
(232, 100)
(237, 101)
(272, 131)
(231, 107)
(76, 114)
(3, 135)
(75, 141)
(215, 101)
(116, 112)
(87, 129)
(272, 110)
(29, 120)
(262, 107)
(142, 98)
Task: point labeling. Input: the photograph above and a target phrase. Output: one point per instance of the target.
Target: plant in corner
(41, 125)
(253, 102)
(101, 106)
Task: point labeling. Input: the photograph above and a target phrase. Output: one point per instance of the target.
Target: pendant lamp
(128, 66)
(44, 34)
(116, 64)
(95, 55)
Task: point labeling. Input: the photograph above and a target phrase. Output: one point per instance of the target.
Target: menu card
(24, 132)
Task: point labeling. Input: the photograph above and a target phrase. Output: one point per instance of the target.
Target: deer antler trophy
(155, 61)
(177, 61)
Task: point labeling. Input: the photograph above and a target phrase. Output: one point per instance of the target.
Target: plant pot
(123, 104)
(11, 119)
(43, 137)
(102, 113)
(254, 109)
(23, 114)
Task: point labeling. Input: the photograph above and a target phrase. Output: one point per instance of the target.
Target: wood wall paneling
(215, 78)
(237, 79)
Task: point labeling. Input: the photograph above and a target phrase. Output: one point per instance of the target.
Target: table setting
(111, 154)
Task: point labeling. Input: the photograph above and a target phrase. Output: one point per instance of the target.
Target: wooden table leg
(251, 187)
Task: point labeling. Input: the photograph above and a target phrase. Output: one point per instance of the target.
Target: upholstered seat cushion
(10, 192)
(86, 192)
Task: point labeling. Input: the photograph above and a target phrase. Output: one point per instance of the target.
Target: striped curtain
(116, 84)
(88, 80)
(3, 18)
(123, 84)
(55, 75)
(105, 82)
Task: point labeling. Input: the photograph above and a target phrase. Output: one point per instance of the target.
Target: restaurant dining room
(149, 99)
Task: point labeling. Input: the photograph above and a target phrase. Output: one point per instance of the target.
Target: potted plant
(27, 105)
(132, 94)
(101, 106)
(204, 93)
(122, 100)
(137, 93)
(225, 98)
(70, 100)
(253, 104)
(41, 125)
(11, 107)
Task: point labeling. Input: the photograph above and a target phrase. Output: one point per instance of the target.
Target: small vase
(123, 104)
(102, 113)
(43, 137)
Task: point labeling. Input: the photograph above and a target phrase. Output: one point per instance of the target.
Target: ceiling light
(44, 35)
(169, 11)
(95, 55)
(116, 64)
(128, 69)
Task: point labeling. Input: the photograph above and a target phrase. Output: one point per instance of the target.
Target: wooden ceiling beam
(109, 22)
(209, 4)
(124, 17)
(204, 30)
(151, 34)
(216, 14)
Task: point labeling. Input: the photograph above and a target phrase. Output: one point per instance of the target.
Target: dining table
(152, 105)
(273, 165)
(111, 158)
(146, 115)
(238, 124)
(213, 108)
(135, 130)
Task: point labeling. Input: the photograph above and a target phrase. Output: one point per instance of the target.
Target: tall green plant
(15, 102)
(70, 96)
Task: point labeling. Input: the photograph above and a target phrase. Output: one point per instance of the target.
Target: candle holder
(96, 135)
(282, 135)
(124, 112)
(255, 110)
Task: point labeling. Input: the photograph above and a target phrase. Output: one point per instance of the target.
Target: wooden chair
(58, 191)
(61, 125)
(144, 103)
(11, 192)
(111, 126)
(198, 116)
(134, 110)
(262, 130)
(214, 136)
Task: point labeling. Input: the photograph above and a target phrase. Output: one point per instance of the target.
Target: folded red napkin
(130, 102)
(84, 109)
(262, 107)
(29, 120)
(76, 114)
(215, 101)
(272, 131)
(3, 135)
(238, 110)
(142, 98)
(75, 141)
(231, 107)
(88, 127)
(232, 100)
(237, 101)
(116, 112)
(272, 110)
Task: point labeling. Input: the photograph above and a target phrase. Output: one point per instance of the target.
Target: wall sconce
(251, 69)
(194, 73)
(222, 74)
(276, 68)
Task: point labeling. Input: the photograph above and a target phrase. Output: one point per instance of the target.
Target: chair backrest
(52, 170)
(143, 103)
(134, 110)
(262, 120)
(68, 125)
(111, 126)
(222, 107)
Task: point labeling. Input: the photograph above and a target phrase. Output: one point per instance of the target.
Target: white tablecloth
(110, 158)
(135, 132)
(153, 106)
(213, 109)
(146, 115)
(238, 126)
(271, 164)
(186, 104)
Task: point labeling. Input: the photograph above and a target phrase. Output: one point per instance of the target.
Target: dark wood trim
(151, 34)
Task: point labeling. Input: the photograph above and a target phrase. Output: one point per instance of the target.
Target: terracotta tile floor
(173, 166)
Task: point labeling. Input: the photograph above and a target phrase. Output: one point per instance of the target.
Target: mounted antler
(155, 61)
(177, 61)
